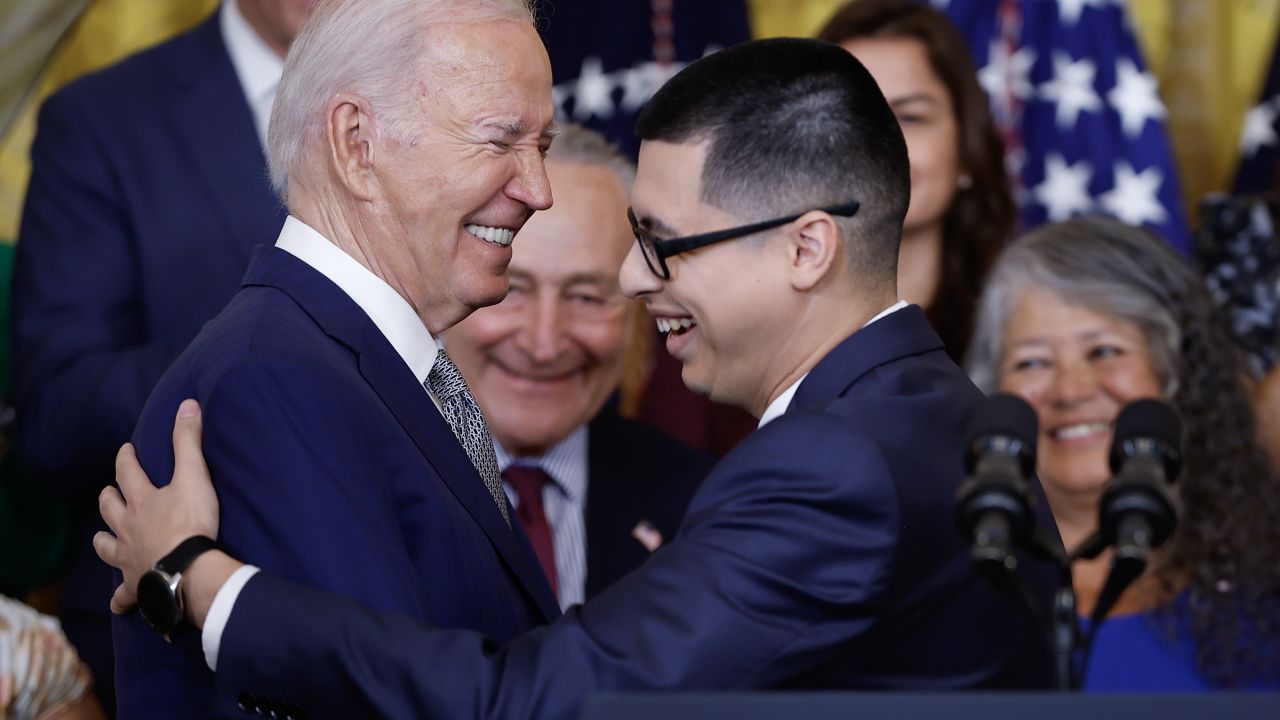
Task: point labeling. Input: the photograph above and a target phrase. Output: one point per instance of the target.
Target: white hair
(583, 146)
(371, 48)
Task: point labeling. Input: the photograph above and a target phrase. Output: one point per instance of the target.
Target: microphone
(1138, 511)
(993, 506)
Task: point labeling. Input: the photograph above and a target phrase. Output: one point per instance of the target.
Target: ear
(814, 246)
(350, 134)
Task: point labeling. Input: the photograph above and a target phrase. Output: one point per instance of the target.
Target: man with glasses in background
(820, 553)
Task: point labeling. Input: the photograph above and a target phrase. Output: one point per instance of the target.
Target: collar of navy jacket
(897, 335)
(340, 318)
(220, 136)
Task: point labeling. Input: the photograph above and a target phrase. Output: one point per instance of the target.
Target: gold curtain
(62, 40)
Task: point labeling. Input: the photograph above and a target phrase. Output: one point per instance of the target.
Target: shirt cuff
(220, 612)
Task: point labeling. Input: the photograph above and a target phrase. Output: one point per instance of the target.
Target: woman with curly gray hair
(1080, 318)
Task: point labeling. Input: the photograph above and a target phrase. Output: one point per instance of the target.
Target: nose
(544, 331)
(1072, 382)
(530, 185)
(635, 278)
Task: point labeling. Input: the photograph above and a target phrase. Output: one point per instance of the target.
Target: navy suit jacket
(634, 474)
(820, 553)
(335, 469)
(148, 191)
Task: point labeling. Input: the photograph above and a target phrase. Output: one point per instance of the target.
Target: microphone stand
(1063, 628)
(1122, 574)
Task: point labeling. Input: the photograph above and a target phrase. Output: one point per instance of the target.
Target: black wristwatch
(158, 600)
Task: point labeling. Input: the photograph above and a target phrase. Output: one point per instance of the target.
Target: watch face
(156, 603)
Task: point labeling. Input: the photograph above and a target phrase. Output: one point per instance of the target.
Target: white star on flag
(638, 85)
(1069, 10)
(1007, 72)
(593, 94)
(1133, 199)
(1259, 127)
(1065, 189)
(1072, 89)
(1134, 97)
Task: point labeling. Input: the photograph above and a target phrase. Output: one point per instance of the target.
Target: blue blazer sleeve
(781, 564)
(76, 298)
(301, 479)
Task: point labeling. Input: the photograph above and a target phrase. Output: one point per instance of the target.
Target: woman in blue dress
(1080, 318)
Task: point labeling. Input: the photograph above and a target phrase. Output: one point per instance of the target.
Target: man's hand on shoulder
(148, 522)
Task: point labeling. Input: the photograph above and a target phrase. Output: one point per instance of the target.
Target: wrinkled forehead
(493, 67)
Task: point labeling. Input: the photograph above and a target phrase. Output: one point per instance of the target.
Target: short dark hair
(793, 124)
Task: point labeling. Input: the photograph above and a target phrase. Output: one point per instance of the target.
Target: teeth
(668, 325)
(1072, 432)
(495, 235)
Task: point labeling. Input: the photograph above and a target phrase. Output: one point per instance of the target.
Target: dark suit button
(245, 701)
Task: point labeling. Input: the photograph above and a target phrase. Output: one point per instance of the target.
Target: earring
(965, 181)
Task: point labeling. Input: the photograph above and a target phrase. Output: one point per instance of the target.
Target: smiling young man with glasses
(821, 552)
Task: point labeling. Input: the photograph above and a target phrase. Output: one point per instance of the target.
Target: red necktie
(527, 481)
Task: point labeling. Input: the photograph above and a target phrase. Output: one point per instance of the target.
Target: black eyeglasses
(656, 252)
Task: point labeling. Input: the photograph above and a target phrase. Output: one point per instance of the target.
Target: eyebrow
(914, 98)
(516, 127)
(656, 226)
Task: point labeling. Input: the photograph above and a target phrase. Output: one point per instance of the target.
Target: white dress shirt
(779, 404)
(394, 318)
(257, 66)
(564, 502)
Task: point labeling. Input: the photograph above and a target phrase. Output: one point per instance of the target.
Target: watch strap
(183, 555)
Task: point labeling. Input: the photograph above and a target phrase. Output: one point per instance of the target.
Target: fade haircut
(371, 48)
(792, 125)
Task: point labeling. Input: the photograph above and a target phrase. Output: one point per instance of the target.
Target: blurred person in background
(962, 210)
(1081, 318)
(596, 492)
(148, 191)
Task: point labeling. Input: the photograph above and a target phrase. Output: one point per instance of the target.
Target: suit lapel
(902, 333)
(387, 374)
(212, 121)
(408, 401)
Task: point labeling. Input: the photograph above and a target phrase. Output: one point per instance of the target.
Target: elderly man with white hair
(407, 140)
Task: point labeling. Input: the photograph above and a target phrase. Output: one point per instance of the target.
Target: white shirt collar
(780, 403)
(390, 312)
(565, 462)
(257, 66)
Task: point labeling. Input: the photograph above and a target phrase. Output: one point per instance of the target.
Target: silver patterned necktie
(466, 421)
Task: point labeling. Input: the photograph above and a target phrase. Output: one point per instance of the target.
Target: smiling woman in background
(962, 211)
(1080, 318)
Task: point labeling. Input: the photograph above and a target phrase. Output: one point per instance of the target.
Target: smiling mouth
(1079, 430)
(493, 235)
(543, 377)
(675, 326)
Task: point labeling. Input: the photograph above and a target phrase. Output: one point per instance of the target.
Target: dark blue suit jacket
(148, 190)
(335, 469)
(821, 552)
(635, 473)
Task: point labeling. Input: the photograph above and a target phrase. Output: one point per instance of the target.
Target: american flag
(1260, 137)
(1081, 116)
(608, 58)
